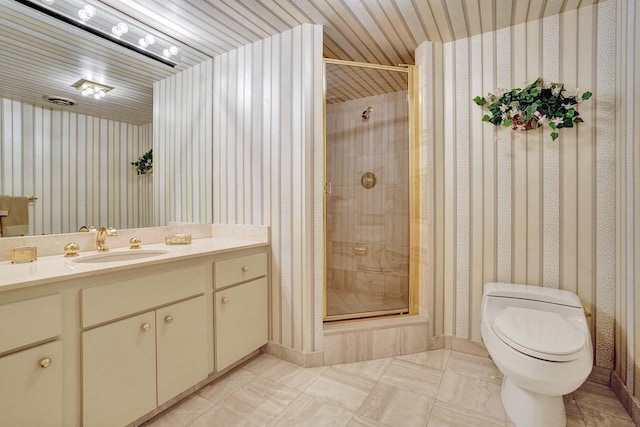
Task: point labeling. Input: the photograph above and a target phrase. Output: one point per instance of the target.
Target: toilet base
(528, 409)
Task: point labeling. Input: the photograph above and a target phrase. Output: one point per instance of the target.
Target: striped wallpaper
(238, 139)
(517, 207)
(78, 166)
(627, 365)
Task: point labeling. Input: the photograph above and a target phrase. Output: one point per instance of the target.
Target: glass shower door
(367, 209)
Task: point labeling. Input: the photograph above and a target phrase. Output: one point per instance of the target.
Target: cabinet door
(181, 347)
(241, 321)
(31, 388)
(119, 371)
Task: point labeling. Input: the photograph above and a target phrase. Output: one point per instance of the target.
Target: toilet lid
(541, 334)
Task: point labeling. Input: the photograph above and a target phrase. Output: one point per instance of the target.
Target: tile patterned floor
(435, 388)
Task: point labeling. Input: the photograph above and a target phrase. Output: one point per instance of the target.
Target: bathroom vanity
(104, 343)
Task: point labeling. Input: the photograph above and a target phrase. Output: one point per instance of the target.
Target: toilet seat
(541, 334)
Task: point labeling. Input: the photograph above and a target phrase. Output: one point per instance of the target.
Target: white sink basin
(119, 256)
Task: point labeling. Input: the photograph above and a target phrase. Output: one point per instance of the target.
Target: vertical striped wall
(238, 139)
(628, 197)
(518, 207)
(78, 166)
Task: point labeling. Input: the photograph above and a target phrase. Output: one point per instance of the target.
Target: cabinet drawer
(31, 392)
(240, 269)
(29, 321)
(115, 300)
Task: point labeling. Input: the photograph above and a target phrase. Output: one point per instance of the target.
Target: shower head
(366, 114)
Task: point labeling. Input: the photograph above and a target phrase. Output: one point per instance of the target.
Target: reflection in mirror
(74, 152)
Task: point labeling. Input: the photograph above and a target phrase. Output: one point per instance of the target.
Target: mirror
(76, 159)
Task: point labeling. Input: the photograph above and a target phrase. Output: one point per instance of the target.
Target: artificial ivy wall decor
(144, 164)
(534, 106)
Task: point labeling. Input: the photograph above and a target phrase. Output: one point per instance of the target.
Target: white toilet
(539, 339)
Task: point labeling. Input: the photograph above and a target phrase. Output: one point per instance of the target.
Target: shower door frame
(414, 192)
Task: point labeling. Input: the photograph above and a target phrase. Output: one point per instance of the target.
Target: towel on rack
(16, 223)
(5, 201)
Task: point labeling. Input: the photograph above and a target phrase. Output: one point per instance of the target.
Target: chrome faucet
(101, 240)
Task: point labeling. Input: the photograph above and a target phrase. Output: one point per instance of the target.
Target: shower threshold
(343, 305)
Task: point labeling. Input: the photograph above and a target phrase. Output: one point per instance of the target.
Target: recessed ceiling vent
(60, 100)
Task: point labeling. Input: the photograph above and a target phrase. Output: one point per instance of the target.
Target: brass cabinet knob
(146, 327)
(45, 362)
(71, 249)
(134, 243)
(225, 300)
(245, 268)
(168, 319)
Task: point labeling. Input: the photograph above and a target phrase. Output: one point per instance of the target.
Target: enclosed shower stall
(367, 191)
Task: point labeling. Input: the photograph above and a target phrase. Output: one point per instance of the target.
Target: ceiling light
(83, 15)
(119, 29)
(109, 25)
(90, 11)
(171, 51)
(87, 12)
(87, 87)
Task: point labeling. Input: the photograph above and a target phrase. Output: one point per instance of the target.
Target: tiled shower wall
(368, 229)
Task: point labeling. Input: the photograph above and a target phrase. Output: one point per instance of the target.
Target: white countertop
(55, 268)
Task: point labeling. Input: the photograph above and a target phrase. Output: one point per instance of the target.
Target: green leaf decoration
(144, 164)
(537, 103)
(479, 100)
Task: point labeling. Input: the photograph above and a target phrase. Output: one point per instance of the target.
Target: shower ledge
(362, 340)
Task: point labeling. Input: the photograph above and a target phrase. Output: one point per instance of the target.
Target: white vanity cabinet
(31, 371)
(131, 366)
(111, 345)
(181, 347)
(119, 371)
(240, 308)
(135, 364)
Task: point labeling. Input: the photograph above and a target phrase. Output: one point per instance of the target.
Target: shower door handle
(327, 188)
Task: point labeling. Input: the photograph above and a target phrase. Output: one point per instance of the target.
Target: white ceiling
(40, 56)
